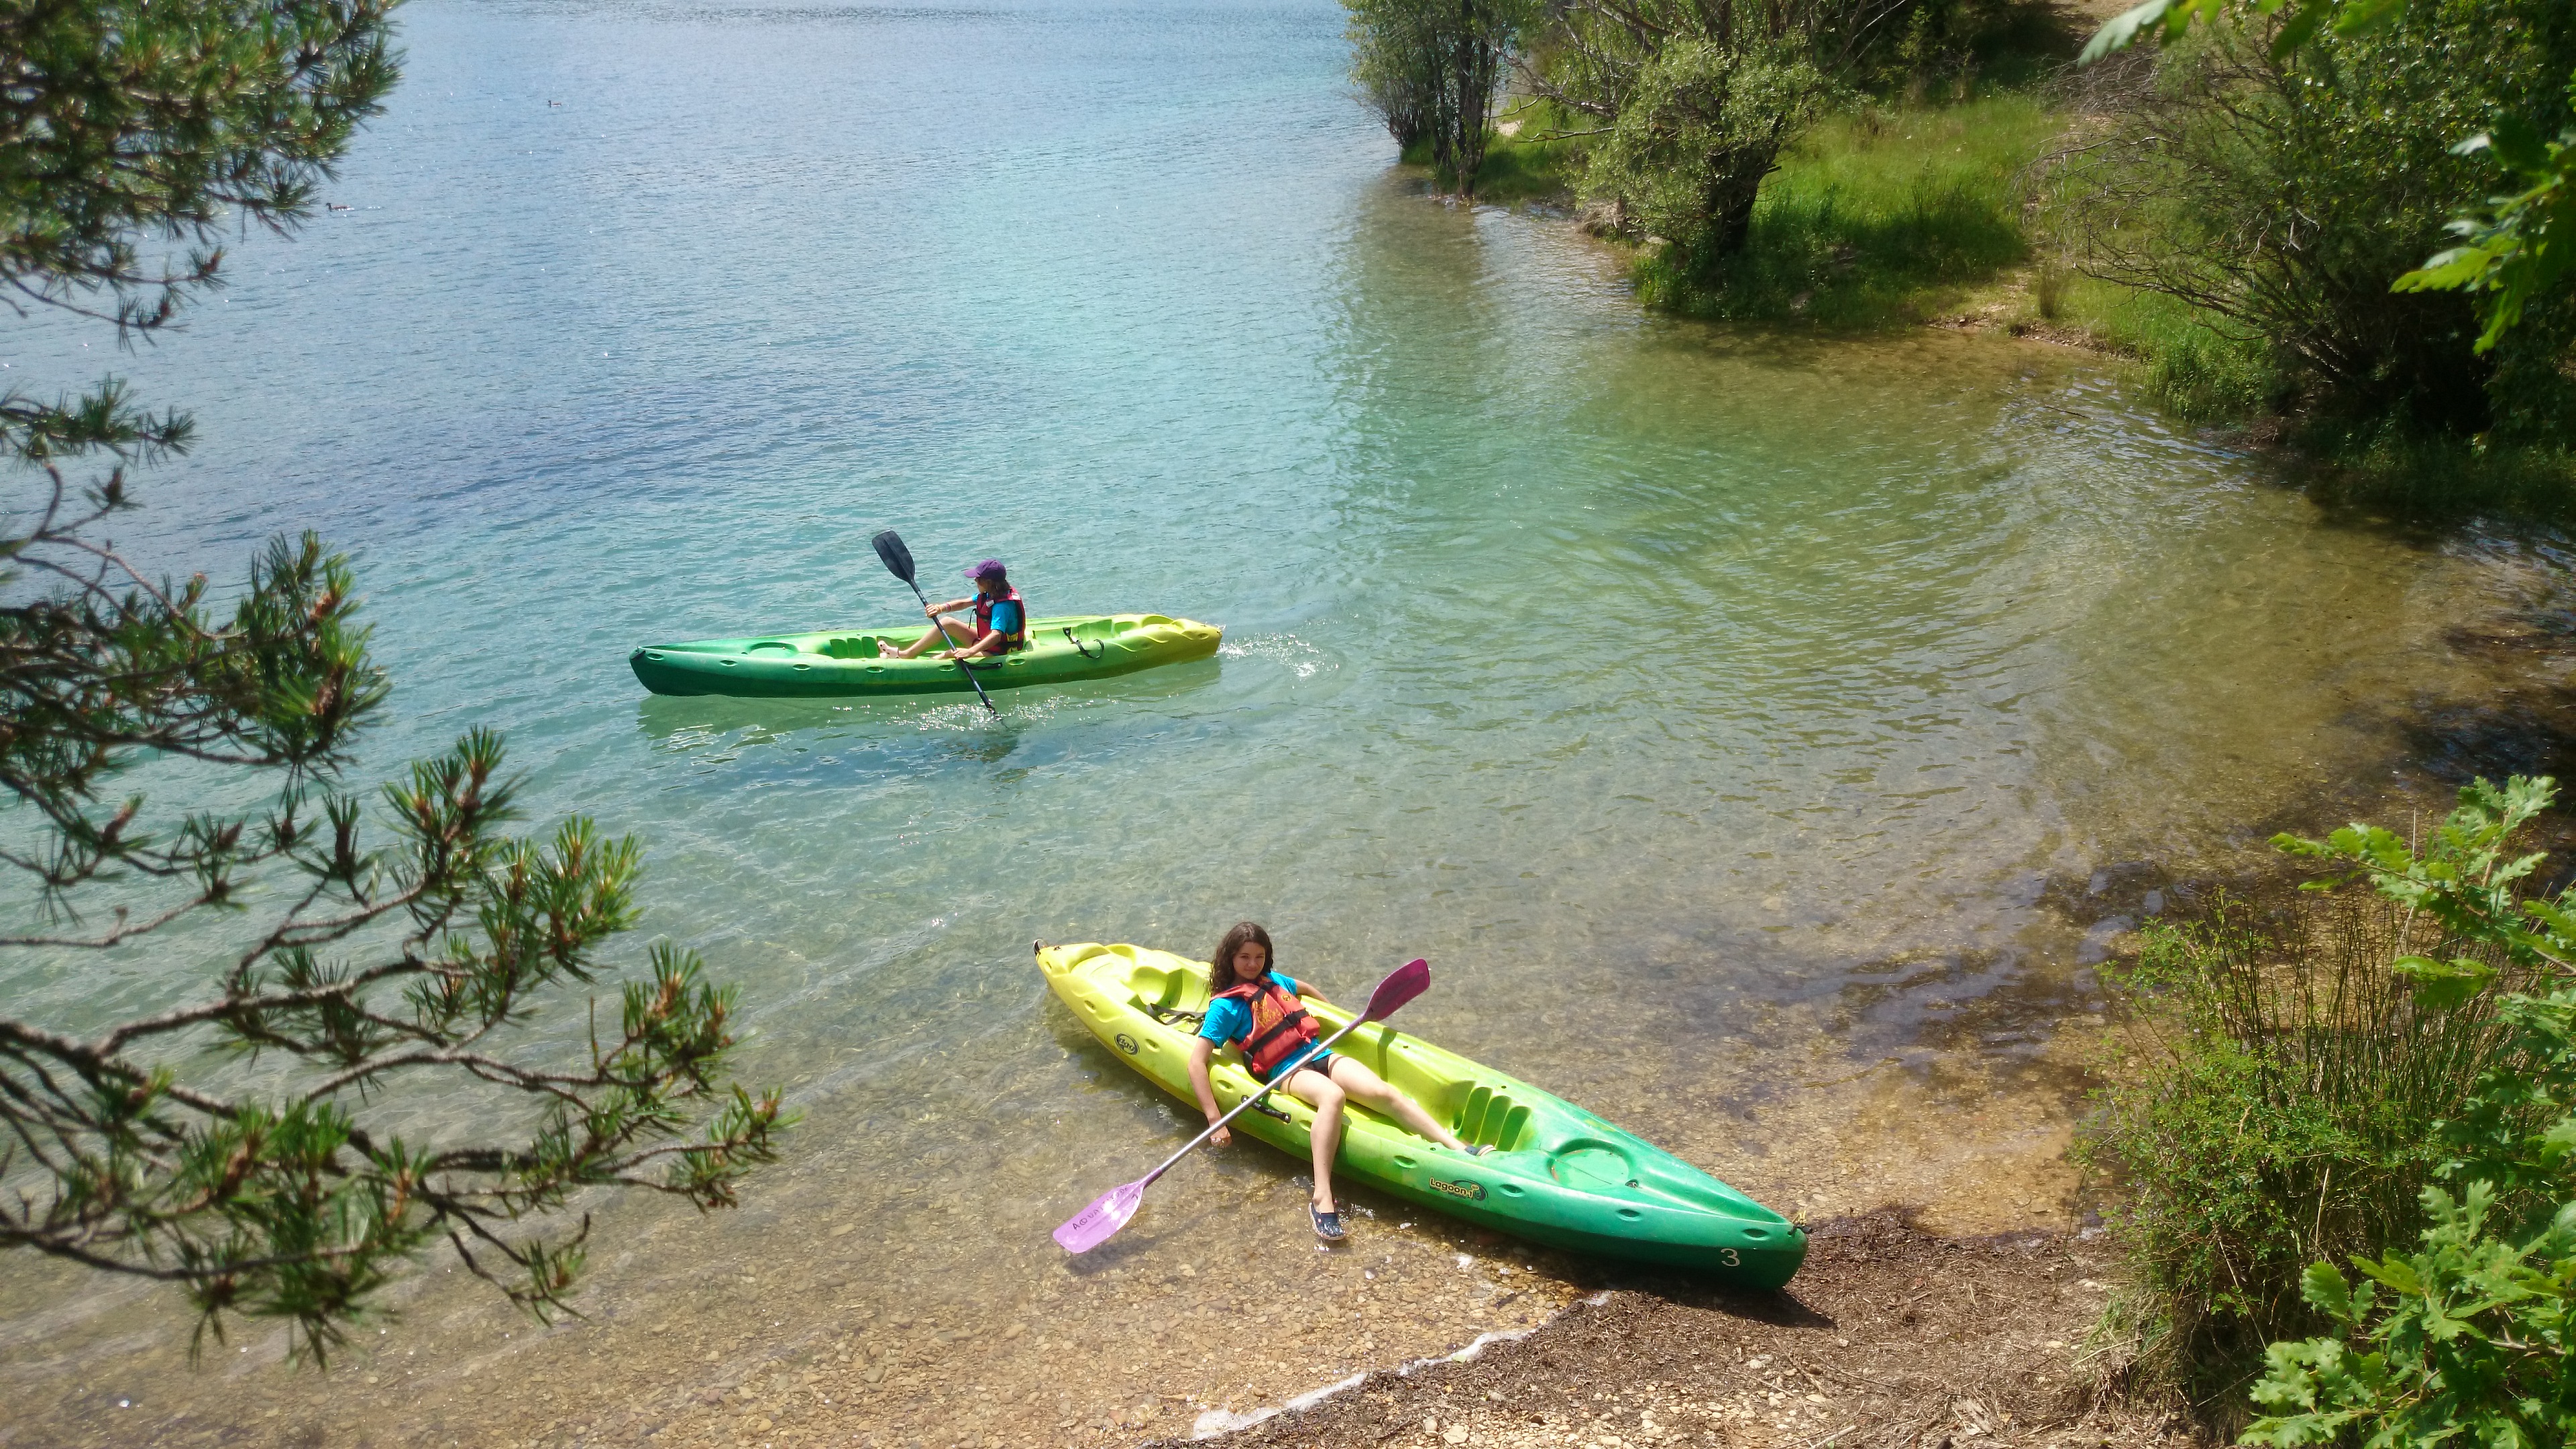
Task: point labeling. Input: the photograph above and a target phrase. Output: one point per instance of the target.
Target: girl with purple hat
(1001, 620)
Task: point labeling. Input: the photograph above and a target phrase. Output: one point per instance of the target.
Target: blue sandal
(1328, 1226)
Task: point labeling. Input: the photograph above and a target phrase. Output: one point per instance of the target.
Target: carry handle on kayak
(898, 562)
(1111, 1211)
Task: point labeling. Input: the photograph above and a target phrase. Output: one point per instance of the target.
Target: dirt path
(1889, 1337)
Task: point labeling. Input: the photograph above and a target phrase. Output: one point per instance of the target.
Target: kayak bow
(1558, 1174)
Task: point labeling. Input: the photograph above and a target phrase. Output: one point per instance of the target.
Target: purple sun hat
(987, 569)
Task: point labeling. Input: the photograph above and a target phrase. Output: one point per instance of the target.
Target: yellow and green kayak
(838, 662)
(1558, 1174)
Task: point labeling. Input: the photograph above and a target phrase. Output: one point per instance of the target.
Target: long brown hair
(1237, 936)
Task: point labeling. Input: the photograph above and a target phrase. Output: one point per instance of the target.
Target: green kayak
(837, 662)
(1559, 1175)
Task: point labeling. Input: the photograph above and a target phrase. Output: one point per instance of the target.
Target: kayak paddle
(1096, 1224)
(898, 562)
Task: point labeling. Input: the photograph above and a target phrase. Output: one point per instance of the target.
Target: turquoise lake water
(1717, 712)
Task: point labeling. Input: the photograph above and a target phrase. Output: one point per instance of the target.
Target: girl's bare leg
(1320, 1092)
(1358, 1081)
(944, 629)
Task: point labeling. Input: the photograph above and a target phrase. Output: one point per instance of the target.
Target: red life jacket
(1281, 1029)
(984, 618)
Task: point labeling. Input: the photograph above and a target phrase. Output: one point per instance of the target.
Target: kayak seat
(1160, 993)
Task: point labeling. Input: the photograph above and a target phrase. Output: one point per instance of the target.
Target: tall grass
(2382, 464)
(1877, 218)
(2194, 371)
(1527, 163)
(1528, 166)
(2275, 1110)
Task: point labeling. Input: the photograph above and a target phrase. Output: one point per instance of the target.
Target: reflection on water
(1739, 724)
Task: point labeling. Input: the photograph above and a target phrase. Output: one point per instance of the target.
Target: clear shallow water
(1721, 715)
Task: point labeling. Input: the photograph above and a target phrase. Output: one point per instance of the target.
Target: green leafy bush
(2471, 1342)
(2289, 1064)
(2472, 1345)
(2285, 189)
(1701, 125)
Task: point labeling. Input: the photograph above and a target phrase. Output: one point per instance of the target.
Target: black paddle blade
(898, 559)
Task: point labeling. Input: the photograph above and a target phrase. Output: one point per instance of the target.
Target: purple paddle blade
(1096, 1224)
(1401, 985)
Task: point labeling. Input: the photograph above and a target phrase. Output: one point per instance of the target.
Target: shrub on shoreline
(2274, 1115)
(2316, 1083)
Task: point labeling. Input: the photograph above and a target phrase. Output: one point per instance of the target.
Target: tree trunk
(1732, 196)
(1470, 67)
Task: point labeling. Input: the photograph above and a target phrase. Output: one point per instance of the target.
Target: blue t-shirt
(1229, 1018)
(1009, 619)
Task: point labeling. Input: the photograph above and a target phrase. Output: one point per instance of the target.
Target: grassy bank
(1897, 213)
(1882, 216)
(1893, 214)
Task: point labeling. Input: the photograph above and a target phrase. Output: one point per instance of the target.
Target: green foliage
(2473, 1344)
(1430, 68)
(2274, 1112)
(1928, 50)
(363, 962)
(2306, 1075)
(134, 121)
(1874, 213)
(1535, 162)
(2200, 374)
(2518, 248)
(2283, 196)
(2385, 466)
(2467, 879)
(2442, 1049)
(1700, 126)
(1393, 73)
(1693, 100)
(2194, 370)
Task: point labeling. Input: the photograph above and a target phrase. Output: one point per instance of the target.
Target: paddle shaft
(960, 663)
(1277, 1079)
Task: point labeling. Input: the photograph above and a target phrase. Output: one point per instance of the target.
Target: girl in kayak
(1260, 1010)
(1001, 621)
